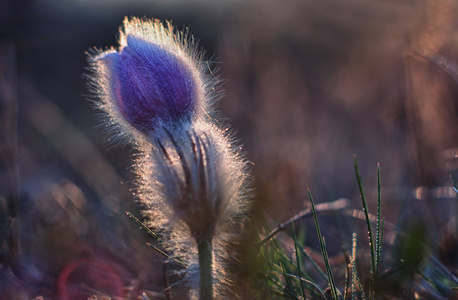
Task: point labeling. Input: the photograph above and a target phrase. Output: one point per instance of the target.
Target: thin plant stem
(347, 272)
(205, 249)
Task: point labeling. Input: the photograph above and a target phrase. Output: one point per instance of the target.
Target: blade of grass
(297, 259)
(150, 232)
(369, 230)
(378, 233)
(323, 250)
(308, 282)
(455, 186)
(314, 263)
(274, 253)
(277, 284)
(289, 287)
(334, 289)
(178, 261)
(280, 256)
(382, 230)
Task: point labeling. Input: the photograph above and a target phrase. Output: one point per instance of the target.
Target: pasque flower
(192, 179)
(155, 78)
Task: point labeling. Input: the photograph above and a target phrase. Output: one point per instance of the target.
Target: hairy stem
(205, 249)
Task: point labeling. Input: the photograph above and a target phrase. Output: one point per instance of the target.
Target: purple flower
(152, 80)
(156, 91)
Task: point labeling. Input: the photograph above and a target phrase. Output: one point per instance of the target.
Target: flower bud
(197, 174)
(151, 80)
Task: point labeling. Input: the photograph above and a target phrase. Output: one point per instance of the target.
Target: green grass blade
(369, 229)
(314, 264)
(149, 231)
(455, 186)
(298, 260)
(282, 256)
(382, 230)
(308, 282)
(324, 251)
(167, 255)
(377, 228)
(277, 284)
(378, 235)
(289, 287)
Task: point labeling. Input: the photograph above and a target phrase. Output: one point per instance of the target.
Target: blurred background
(308, 84)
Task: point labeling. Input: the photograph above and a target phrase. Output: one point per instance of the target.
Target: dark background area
(308, 84)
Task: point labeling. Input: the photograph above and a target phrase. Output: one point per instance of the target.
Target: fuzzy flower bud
(151, 80)
(197, 174)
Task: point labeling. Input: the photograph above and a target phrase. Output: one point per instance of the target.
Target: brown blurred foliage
(310, 83)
